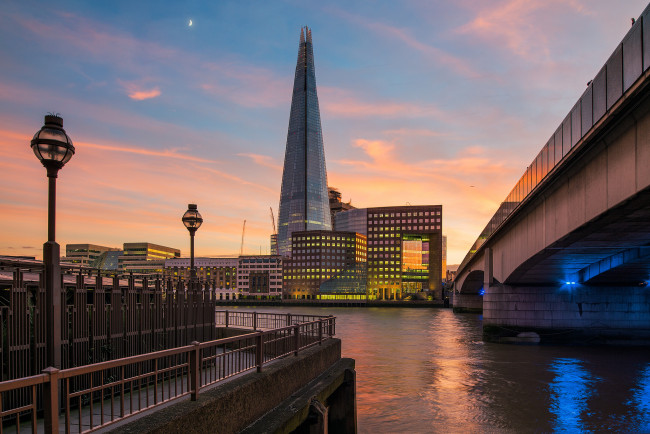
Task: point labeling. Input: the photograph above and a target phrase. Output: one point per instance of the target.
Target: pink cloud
(413, 132)
(140, 95)
(338, 102)
(264, 161)
(169, 153)
(112, 193)
(518, 24)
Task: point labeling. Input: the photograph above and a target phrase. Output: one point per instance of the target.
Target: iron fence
(98, 395)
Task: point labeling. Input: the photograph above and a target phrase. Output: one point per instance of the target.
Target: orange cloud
(169, 153)
(140, 95)
(263, 160)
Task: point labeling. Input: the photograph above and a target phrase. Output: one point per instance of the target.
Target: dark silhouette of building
(336, 204)
(304, 203)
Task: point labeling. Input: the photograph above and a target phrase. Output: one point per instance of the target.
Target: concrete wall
(467, 303)
(582, 314)
(233, 405)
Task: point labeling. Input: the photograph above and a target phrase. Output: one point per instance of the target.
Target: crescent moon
(190, 23)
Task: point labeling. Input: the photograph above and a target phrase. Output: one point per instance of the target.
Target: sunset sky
(422, 102)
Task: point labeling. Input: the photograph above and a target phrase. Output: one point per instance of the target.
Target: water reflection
(641, 400)
(569, 392)
(423, 370)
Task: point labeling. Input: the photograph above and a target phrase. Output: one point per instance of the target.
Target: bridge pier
(576, 314)
(467, 303)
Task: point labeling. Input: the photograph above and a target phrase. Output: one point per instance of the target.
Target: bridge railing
(98, 395)
(615, 80)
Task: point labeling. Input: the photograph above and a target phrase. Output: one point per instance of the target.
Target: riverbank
(335, 303)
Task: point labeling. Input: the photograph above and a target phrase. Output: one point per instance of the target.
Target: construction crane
(243, 231)
(272, 220)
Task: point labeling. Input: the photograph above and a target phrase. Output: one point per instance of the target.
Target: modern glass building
(304, 202)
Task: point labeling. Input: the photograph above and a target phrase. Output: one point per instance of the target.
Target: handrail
(101, 394)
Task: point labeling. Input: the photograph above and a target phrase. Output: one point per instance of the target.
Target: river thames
(427, 370)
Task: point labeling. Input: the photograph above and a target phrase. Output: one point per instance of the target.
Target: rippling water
(427, 370)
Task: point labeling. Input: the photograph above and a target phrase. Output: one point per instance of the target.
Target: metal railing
(262, 320)
(98, 395)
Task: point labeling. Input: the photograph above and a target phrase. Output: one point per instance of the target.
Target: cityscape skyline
(450, 112)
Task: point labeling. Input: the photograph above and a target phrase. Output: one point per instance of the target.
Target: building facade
(145, 258)
(336, 204)
(354, 220)
(325, 256)
(405, 252)
(85, 255)
(219, 273)
(260, 276)
(304, 203)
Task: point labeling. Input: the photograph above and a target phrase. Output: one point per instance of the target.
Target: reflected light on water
(569, 392)
(641, 400)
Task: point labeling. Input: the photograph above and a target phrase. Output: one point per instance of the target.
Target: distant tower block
(304, 203)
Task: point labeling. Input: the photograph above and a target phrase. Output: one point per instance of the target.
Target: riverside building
(219, 273)
(260, 276)
(404, 249)
(85, 255)
(145, 258)
(326, 265)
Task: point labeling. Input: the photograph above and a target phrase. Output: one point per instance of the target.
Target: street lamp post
(53, 148)
(192, 220)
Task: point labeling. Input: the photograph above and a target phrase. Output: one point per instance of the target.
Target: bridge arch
(473, 283)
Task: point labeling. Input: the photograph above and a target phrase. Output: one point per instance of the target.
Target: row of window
(403, 214)
(402, 228)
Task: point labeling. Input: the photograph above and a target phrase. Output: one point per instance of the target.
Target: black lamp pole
(53, 148)
(192, 220)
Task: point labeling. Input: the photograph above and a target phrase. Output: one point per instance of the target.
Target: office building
(304, 202)
(145, 258)
(84, 254)
(326, 264)
(354, 220)
(405, 252)
(260, 276)
(219, 273)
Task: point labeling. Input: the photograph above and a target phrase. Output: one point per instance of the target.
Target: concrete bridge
(567, 255)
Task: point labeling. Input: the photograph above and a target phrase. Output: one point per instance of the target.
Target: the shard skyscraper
(304, 204)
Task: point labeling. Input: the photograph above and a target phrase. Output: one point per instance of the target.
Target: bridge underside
(609, 250)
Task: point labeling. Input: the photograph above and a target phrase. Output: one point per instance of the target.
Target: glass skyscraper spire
(304, 204)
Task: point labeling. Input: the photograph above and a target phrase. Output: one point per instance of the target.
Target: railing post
(227, 322)
(51, 400)
(259, 360)
(332, 323)
(296, 339)
(320, 332)
(254, 320)
(195, 370)
(288, 320)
